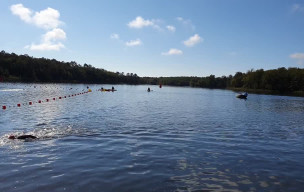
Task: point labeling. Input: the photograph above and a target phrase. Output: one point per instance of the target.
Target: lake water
(171, 139)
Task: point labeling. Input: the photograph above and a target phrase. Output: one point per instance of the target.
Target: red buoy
(59, 97)
(18, 105)
(30, 103)
(4, 107)
(54, 98)
(39, 101)
(47, 100)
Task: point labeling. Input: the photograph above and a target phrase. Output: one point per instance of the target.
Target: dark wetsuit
(26, 137)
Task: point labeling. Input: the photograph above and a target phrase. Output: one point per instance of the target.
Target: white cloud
(171, 28)
(299, 57)
(195, 39)
(186, 23)
(54, 35)
(47, 19)
(25, 14)
(49, 41)
(114, 36)
(173, 52)
(179, 18)
(297, 8)
(46, 46)
(133, 43)
(140, 22)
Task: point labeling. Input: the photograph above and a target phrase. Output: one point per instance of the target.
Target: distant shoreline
(26, 69)
(237, 90)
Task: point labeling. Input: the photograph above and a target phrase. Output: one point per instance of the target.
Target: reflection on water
(171, 139)
(11, 89)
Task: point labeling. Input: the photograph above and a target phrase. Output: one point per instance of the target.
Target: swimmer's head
(11, 137)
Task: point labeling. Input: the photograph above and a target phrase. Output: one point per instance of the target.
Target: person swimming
(22, 137)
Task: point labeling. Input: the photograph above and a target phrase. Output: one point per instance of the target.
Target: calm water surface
(171, 139)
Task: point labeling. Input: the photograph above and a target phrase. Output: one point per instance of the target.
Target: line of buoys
(4, 107)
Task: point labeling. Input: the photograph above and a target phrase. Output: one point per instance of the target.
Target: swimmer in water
(22, 137)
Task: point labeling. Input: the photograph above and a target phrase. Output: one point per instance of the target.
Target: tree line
(275, 81)
(24, 68)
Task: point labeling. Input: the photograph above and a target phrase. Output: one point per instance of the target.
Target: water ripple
(172, 139)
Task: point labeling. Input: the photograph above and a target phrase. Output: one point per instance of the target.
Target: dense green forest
(23, 68)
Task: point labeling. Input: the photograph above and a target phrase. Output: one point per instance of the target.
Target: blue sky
(158, 37)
